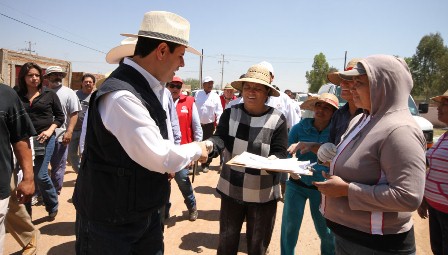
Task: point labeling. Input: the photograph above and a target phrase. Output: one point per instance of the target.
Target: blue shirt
(339, 123)
(304, 131)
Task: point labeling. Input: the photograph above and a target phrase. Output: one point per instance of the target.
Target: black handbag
(39, 148)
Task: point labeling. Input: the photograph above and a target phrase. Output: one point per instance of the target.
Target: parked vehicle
(424, 124)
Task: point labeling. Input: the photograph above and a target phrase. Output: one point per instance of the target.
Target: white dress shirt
(209, 106)
(124, 115)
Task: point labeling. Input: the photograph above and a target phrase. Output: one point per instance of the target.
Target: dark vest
(111, 187)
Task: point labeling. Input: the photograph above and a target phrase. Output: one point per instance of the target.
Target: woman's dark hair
(146, 45)
(22, 74)
(89, 75)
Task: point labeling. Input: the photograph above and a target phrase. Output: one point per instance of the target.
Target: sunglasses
(174, 85)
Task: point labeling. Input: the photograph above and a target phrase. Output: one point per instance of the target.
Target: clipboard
(290, 165)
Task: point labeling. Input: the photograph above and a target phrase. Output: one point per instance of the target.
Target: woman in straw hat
(435, 201)
(299, 190)
(378, 173)
(248, 193)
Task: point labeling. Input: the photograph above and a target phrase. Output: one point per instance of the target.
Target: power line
(55, 35)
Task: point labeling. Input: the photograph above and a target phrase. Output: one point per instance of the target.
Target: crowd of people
(137, 131)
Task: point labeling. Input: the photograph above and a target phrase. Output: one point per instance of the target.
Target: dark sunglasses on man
(174, 85)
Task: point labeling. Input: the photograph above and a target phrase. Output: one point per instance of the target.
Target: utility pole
(30, 51)
(222, 69)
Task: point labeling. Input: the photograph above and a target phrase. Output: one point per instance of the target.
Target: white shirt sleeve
(196, 124)
(129, 121)
(218, 110)
(82, 138)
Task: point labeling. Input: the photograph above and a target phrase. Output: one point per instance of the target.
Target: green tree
(429, 66)
(195, 84)
(318, 76)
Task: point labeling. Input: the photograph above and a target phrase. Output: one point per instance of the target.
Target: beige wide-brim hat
(335, 78)
(324, 97)
(257, 74)
(125, 49)
(166, 26)
(228, 86)
(438, 99)
(55, 69)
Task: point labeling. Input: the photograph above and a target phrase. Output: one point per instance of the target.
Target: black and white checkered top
(263, 135)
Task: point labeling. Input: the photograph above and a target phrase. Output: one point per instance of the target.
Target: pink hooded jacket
(385, 161)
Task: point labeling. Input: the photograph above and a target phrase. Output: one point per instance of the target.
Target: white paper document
(290, 165)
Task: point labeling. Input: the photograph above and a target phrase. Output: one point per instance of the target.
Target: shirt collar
(153, 82)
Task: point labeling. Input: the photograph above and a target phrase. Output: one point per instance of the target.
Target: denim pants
(260, 219)
(58, 164)
(143, 236)
(42, 179)
(183, 181)
(295, 199)
(73, 155)
(438, 231)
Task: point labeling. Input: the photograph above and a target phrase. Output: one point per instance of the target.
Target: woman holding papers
(299, 190)
(378, 173)
(248, 193)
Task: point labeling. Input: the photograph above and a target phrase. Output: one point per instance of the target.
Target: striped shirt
(436, 189)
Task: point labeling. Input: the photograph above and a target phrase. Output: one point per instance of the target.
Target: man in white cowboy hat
(123, 180)
(70, 107)
(210, 110)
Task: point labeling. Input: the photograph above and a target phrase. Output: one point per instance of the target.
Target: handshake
(207, 148)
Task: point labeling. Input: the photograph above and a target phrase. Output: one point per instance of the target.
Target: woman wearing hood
(377, 176)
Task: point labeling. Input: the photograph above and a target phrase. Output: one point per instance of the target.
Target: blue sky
(286, 33)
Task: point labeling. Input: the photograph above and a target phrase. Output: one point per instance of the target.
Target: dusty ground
(181, 236)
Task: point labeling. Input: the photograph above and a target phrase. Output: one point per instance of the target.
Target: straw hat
(334, 77)
(125, 49)
(257, 74)
(438, 99)
(325, 97)
(228, 86)
(55, 69)
(165, 26)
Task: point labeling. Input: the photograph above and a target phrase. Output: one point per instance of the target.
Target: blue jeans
(295, 199)
(42, 179)
(58, 164)
(144, 236)
(183, 181)
(73, 155)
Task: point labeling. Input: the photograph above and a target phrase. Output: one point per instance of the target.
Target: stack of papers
(290, 165)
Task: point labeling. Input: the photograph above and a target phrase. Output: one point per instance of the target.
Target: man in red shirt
(190, 128)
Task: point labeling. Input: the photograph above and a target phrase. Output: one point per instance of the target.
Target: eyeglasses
(174, 85)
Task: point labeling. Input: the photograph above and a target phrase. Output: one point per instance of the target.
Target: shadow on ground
(59, 229)
(65, 248)
(195, 241)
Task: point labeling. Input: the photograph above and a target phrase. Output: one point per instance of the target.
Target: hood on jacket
(390, 83)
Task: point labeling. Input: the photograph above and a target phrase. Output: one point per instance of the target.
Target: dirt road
(182, 237)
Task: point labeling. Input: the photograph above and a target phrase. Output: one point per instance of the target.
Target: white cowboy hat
(257, 74)
(125, 49)
(165, 26)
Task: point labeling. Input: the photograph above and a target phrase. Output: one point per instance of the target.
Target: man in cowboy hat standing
(70, 107)
(123, 181)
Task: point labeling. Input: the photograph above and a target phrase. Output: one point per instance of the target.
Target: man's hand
(334, 186)
(326, 152)
(25, 190)
(67, 137)
(204, 154)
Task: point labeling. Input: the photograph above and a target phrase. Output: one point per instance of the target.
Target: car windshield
(412, 107)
